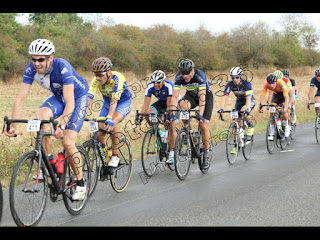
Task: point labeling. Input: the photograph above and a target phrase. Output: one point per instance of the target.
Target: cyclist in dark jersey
(315, 81)
(198, 94)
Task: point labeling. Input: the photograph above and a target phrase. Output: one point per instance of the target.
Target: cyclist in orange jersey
(280, 96)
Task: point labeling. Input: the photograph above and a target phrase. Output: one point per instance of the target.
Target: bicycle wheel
(293, 131)
(150, 153)
(27, 197)
(283, 140)
(121, 176)
(232, 143)
(317, 128)
(94, 160)
(271, 135)
(182, 155)
(247, 149)
(69, 179)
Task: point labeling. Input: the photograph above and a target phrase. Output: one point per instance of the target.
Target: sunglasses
(40, 60)
(100, 74)
(237, 77)
(156, 83)
(271, 82)
(185, 73)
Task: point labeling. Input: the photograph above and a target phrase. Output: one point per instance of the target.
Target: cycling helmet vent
(158, 76)
(101, 64)
(41, 47)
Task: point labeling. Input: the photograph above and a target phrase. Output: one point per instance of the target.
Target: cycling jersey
(61, 73)
(280, 87)
(162, 94)
(315, 82)
(288, 82)
(241, 92)
(198, 82)
(117, 88)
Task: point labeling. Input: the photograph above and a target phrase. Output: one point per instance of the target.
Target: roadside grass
(12, 148)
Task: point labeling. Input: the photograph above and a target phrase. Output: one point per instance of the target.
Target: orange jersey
(281, 87)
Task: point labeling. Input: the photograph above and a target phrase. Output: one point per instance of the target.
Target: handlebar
(8, 122)
(228, 111)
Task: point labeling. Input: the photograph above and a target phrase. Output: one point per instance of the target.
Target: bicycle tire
(121, 177)
(248, 145)
(182, 156)
(230, 144)
(317, 128)
(1, 201)
(271, 144)
(28, 209)
(94, 158)
(69, 184)
(149, 153)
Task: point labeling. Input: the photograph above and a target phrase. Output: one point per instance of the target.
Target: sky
(213, 22)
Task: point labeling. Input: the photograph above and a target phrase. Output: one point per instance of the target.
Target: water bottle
(52, 161)
(60, 162)
(278, 123)
(241, 136)
(164, 135)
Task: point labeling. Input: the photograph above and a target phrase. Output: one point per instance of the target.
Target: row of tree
(158, 47)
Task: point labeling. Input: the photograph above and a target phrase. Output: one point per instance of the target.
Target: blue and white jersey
(61, 73)
(162, 94)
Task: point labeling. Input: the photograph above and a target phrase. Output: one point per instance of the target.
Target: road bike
(317, 121)
(275, 134)
(119, 176)
(155, 145)
(236, 137)
(34, 177)
(188, 145)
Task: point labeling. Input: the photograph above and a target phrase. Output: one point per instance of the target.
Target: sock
(80, 183)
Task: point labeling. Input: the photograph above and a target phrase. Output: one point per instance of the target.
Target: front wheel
(271, 135)
(317, 128)
(232, 143)
(28, 195)
(122, 174)
(182, 155)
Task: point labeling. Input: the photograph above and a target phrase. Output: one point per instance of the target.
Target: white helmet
(236, 71)
(158, 76)
(41, 47)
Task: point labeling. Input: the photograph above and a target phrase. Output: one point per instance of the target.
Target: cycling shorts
(194, 101)
(123, 107)
(240, 104)
(77, 118)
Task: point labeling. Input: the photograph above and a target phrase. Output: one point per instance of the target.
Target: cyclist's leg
(51, 107)
(71, 132)
(204, 126)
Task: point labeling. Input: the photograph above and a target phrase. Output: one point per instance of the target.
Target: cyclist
(244, 94)
(315, 81)
(116, 106)
(280, 96)
(286, 74)
(198, 93)
(68, 100)
(162, 89)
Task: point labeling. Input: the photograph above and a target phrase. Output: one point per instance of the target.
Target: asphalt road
(280, 189)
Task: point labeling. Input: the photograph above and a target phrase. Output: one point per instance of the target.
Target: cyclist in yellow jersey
(117, 101)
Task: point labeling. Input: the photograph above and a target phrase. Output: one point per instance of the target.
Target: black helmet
(271, 78)
(286, 73)
(185, 66)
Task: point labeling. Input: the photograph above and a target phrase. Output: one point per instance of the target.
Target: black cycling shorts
(194, 101)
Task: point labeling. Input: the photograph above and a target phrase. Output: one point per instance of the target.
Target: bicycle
(276, 120)
(188, 145)
(293, 124)
(317, 121)
(119, 176)
(33, 177)
(155, 147)
(236, 137)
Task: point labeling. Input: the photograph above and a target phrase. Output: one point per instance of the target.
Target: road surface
(280, 189)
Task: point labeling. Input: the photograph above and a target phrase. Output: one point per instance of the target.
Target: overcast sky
(213, 22)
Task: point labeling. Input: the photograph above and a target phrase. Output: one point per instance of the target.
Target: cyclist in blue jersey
(315, 82)
(68, 100)
(198, 94)
(243, 92)
(162, 89)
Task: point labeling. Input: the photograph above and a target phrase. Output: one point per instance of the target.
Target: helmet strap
(47, 69)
